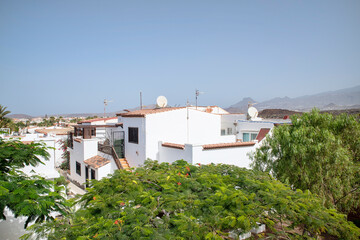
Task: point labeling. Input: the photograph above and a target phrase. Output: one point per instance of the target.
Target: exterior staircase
(124, 164)
(121, 163)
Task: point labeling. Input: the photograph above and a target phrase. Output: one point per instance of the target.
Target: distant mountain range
(334, 100)
(348, 98)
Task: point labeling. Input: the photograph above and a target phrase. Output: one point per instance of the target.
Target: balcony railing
(107, 149)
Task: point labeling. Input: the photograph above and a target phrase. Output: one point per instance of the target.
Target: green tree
(33, 197)
(181, 201)
(318, 152)
(4, 122)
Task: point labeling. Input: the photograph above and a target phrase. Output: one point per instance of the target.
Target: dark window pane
(78, 168)
(133, 135)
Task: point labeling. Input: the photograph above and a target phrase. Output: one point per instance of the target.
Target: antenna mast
(105, 104)
(197, 93)
(141, 106)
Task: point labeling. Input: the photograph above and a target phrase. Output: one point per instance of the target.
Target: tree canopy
(3, 113)
(30, 196)
(181, 201)
(318, 152)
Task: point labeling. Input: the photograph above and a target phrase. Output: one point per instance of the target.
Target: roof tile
(227, 145)
(262, 133)
(144, 112)
(96, 161)
(173, 145)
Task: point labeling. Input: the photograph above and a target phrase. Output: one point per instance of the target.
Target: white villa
(51, 137)
(195, 134)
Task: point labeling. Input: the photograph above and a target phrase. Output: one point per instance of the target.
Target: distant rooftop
(97, 119)
(144, 112)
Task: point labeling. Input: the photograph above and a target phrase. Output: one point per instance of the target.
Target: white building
(51, 138)
(197, 135)
(96, 149)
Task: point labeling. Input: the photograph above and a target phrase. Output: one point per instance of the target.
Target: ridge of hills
(348, 98)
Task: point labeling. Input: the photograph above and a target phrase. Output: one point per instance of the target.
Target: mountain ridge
(347, 98)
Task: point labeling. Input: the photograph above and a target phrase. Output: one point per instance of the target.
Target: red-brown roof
(144, 112)
(173, 145)
(262, 133)
(97, 119)
(227, 145)
(96, 161)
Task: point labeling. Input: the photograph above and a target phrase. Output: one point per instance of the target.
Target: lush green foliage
(318, 152)
(32, 197)
(3, 119)
(180, 201)
(6, 122)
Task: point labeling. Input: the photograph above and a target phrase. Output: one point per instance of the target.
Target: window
(247, 137)
(92, 174)
(78, 168)
(133, 135)
(222, 132)
(229, 131)
(93, 131)
(253, 136)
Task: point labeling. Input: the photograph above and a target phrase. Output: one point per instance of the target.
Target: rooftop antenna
(141, 106)
(197, 93)
(105, 104)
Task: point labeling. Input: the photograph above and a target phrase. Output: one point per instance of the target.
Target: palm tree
(3, 120)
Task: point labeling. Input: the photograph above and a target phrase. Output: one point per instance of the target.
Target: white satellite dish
(253, 112)
(161, 101)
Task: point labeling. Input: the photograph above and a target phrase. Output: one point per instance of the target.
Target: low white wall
(195, 154)
(237, 156)
(104, 171)
(170, 155)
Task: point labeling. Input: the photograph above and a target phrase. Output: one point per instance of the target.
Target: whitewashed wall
(195, 154)
(103, 171)
(135, 153)
(204, 128)
(47, 169)
(82, 151)
(167, 127)
(77, 155)
(237, 156)
(170, 155)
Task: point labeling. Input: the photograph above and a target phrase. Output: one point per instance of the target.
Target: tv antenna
(105, 104)
(197, 93)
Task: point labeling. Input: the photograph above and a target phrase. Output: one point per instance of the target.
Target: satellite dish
(253, 113)
(161, 101)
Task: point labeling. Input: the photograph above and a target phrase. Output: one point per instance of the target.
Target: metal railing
(110, 151)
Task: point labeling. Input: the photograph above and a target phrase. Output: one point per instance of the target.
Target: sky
(68, 56)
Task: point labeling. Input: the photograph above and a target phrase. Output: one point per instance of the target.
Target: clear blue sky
(67, 56)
